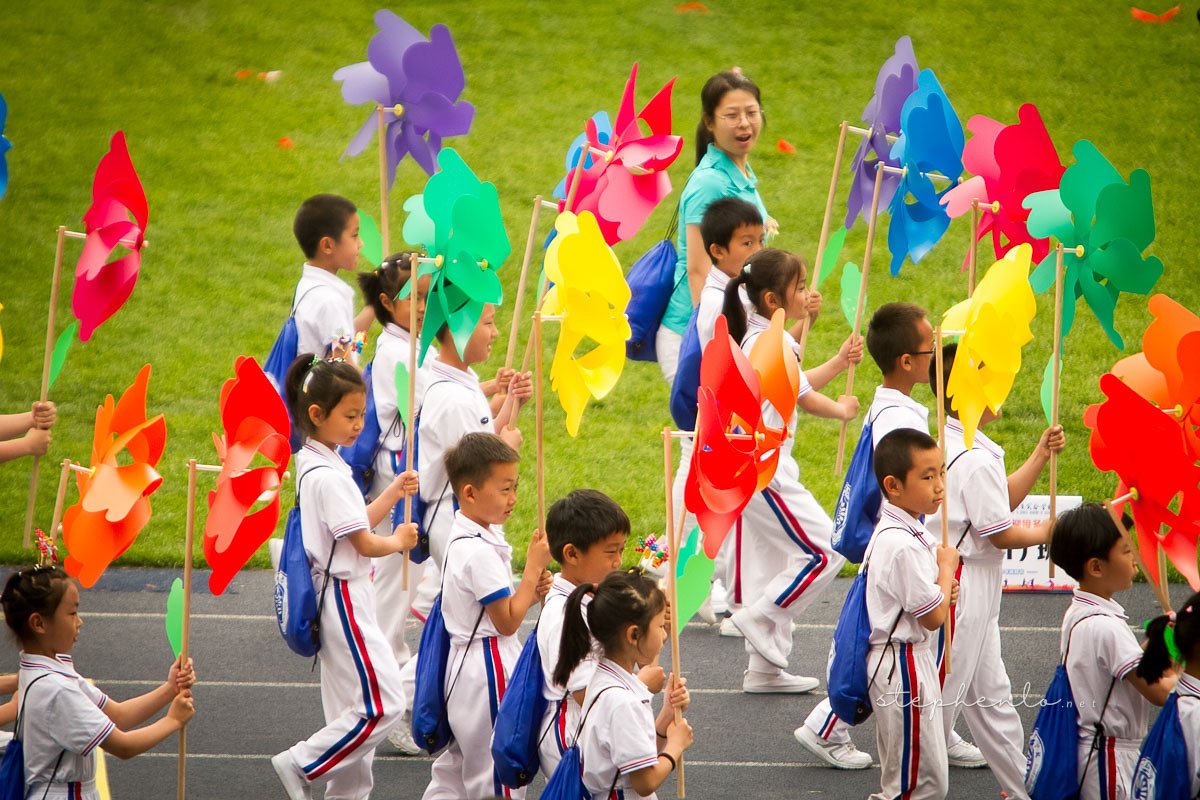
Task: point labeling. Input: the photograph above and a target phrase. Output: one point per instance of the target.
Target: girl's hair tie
(746, 269)
(312, 370)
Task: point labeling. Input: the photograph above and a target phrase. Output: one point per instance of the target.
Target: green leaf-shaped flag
(851, 281)
(368, 231)
(61, 347)
(175, 617)
(694, 582)
(833, 249)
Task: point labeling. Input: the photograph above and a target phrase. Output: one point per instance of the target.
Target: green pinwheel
(1114, 221)
(457, 220)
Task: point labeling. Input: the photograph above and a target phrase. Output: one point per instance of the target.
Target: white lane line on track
(426, 759)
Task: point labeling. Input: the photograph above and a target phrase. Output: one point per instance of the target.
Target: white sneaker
(777, 683)
(729, 629)
(718, 595)
(706, 613)
(401, 738)
(759, 631)
(965, 755)
(275, 549)
(291, 777)
(838, 756)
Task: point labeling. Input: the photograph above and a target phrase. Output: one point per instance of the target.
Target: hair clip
(746, 269)
(315, 360)
(307, 380)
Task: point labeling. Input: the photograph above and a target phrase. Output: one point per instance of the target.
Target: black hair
(311, 381)
(768, 270)
(319, 216)
(472, 459)
(949, 351)
(582, 518)
(1080, 535)
(33, 590)
(894, 453)
(722, 218)
(1186, 631)
(893, 332)
(388, 278)
(714, 91)
(622, 599)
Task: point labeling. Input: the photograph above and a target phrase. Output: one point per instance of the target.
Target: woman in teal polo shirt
(730, 122)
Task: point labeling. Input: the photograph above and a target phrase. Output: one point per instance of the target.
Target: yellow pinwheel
(995, 324)
(590, 294)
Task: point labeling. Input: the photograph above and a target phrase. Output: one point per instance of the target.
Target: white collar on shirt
(904, 520)
(63, 665)
(756, 322)
(1090, 600)
(326, 278)
(561, 586)
(491, 534)
(981, 439)
(319, 450)
(894, 397)
(465, 377)
(1187, 686)
(617, 676)
(716, 279)
(392, 329)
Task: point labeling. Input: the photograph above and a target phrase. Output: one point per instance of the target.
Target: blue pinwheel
(418, 81)
(603, 133)
(5, 146)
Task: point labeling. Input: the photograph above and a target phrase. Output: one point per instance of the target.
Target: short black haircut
(470, 462)
(893, 332)
(1080, 535)
(894, 453)
(319, 216)
(722, 219)
(582, 518)
(949, 351)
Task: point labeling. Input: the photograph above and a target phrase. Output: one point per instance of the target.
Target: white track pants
(906, 694)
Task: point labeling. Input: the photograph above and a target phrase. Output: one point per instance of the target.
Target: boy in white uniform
(1104, 655)
(980, 501)
(481, 611)
(327, 229)
(910, 587)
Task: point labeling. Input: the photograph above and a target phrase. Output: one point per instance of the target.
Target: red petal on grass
(1154, 19)
(786, 147)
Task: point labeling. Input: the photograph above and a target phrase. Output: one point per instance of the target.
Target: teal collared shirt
(716, 176)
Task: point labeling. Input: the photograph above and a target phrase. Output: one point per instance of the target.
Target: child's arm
(672, 738)
(125, 745)
(507, 612)
(35, 442)
(403, 485)
(850, 352)
(362, 322)
(1019, 536)
(947, 558)
(8, 712)
(133, 712)
(1157, 692)
(814, 308)
(368, 545)
(8, 683)
(817, 404)
(1024, 477)
(42, 415)
(520, 389)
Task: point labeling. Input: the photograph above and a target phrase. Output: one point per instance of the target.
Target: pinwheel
(5, 146)
(1113, 221)
(114, 498)
(590, 295)
(418, 81)
(103, 286)
(458, 221)
(995, 324)
(256, 426)
(1008, 162)
(897, 79)
(931, 140)
(628, 177)
(603, 134)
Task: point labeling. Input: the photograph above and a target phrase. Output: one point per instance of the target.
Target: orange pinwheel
(114, 499)
(255, 423)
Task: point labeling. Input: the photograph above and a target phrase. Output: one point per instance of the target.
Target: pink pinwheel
(418, 81)
(897, 79)
(103, 286)
(1009, 162)
(628, 178)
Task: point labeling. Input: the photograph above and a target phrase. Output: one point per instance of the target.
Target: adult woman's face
(736, 124)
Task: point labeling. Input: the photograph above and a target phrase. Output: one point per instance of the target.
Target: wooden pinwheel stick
(188, 542)
(1056, 368)
(60, 499)
(947, 628)
(674, 534)
(538, 420)
(891, 137)
(933, 176)
(414, 341)
(383, 187)
(122, 242)
(1160, 587)
(520, 301)
(858, 308)
(973, 252)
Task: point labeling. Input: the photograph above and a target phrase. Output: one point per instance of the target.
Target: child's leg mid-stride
(360, 692)
(906, 695)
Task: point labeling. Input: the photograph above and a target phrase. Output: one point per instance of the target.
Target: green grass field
(218, 277)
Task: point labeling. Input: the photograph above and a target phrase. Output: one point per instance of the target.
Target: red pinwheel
(103, 286)
(628, 177)
(114, 498)
(1008, 162)
(255, 423)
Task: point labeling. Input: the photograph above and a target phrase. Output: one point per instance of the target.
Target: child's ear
(37, 623)
(316, 414)
(892, 485)
(716, 252)
(467, 494)
(1094, 567)
(326, 244)
(632, 635)
(570, 554)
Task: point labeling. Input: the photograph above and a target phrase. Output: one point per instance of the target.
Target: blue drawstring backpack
(297, 607)
(1162, 767)
(361, 455)
(430, 721)
(859, 501)
(686, 385)
(652, 281)
(12, 768)
(517, 733)
(279, 360)
(849, 687)
(1052, 758)
(567, 781)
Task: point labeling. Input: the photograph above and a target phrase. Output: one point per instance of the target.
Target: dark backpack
(567, 781)
(859, 501)
(1162, 767)
(279, 360)
(361, 455)
(297, 606)
(686, 385)
(12, 768)
(517, 732)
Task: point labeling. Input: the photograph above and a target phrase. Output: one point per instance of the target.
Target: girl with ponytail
(1172, 645)
(622, 745)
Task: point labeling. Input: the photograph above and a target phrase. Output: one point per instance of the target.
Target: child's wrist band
(659, 735)
(670, 758)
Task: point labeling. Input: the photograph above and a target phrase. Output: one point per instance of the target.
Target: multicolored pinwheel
(256, 424)
(591, 294)
(419, 82)
(736, 452)
(5, 146)
(103, 286)
(931, 140)
(1008, 162)
(628, 177)
(897, 79)
(603, 134)
(114, 499)
(457, 218)
(1113, 220)
(995, 322)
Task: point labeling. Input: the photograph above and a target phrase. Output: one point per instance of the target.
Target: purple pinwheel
(418, 81)
(897, 79)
